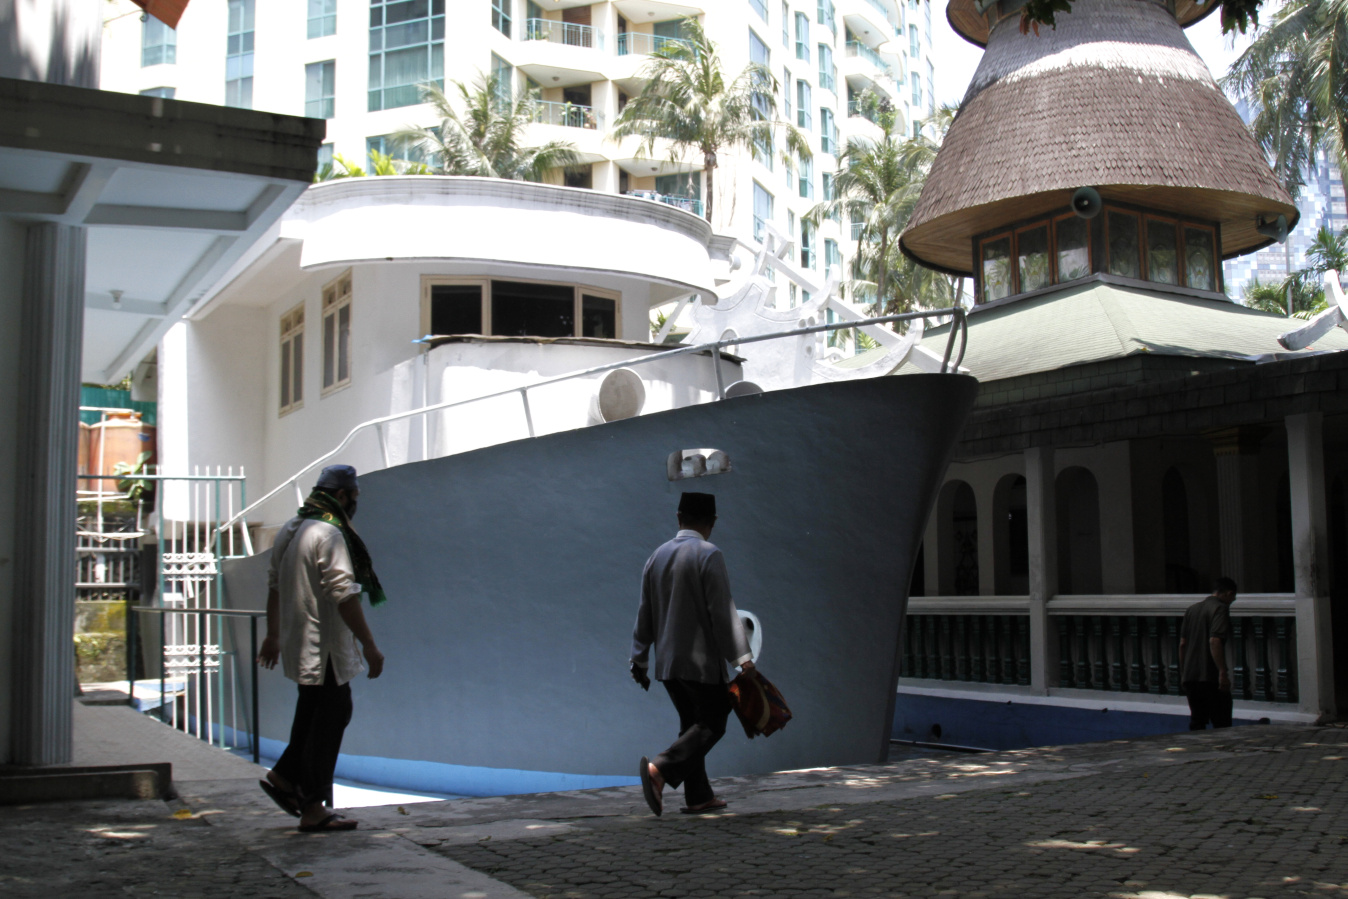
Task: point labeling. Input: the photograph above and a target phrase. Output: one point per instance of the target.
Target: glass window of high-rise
(803, 105)
(914, 48)
(806, 186)
(828, 131)
(762, 210)
(760, 7)
(931, 88)
(802, 36)
(322, 18)
(500, 16)
(917, 89)
(407, 49)
(239, 55)
(827, 70)
(320, 87)
(158, 43)
(786, 25)
(163, 92)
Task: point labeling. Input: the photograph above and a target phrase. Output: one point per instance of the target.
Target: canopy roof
(1114, 98)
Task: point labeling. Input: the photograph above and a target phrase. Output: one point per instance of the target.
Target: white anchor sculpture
(1336, 316)
(745, 307)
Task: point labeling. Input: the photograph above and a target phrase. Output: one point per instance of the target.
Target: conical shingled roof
(1114, 98)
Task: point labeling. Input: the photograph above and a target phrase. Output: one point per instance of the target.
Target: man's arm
(643, 633)
(271, 644)
(1218, 651)
(354, 616)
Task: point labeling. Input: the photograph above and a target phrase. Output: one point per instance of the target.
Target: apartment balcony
(561, 54)
(566, 33)
(567, 115)
(866, 69)
(858, 49)
(868, 20)
(638, 43)
(687, 204)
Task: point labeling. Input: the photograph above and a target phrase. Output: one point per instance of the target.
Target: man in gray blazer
(687, 614)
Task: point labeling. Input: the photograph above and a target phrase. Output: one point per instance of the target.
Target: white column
(1310, 560)
(44, 562)
(1041, 513)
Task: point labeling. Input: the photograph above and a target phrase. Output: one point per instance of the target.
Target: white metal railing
(640, 44)
(950, 363)
(857, 48)
(567, 33)
(568, 115)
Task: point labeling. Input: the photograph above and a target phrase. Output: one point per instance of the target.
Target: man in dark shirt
(1202, 657)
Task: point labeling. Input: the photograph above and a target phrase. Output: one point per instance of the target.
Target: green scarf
(321, 506)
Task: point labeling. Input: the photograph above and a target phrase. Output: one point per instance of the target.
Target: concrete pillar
(1310, 560)
(44, 563)
(1041, 513)
(1237, 452)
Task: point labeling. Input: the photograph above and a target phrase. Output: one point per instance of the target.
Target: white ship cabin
(376, 296)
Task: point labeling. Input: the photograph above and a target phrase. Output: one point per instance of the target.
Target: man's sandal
(288, 802)
(649, 790)
(711, 805)
(331, 822)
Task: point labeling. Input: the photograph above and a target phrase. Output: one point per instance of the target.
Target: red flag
(166, 11)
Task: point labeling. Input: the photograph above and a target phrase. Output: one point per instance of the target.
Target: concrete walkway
(1242, 813)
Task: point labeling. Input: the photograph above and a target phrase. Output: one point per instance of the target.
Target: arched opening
(1180, 576)
(1282, 513)
(1078, 532)
(958, 536)
(1010, 537)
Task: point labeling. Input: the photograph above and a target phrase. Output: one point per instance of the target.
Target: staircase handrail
(959, 325)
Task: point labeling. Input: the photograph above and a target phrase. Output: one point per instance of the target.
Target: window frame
(325, 20)
(332, 301)
(167, 47)
(377, 98)
(500, 15)
(1053, 247)
(1178, 225)
(292, 335)
(1048, 248)
(327, 103)
(247, 35)
(1009, 235)
(1137, 217)
(578, 294)
(1218, 275)
(802, 36)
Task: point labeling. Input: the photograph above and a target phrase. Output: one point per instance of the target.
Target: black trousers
(322, 713)
(1207, 705)
(703, 710)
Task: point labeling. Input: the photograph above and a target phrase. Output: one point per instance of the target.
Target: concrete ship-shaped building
(1137, 433)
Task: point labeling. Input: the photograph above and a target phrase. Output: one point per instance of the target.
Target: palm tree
(687, 101)
(1307, 297)
(1294, 75)
(877, 184)
(484, 135)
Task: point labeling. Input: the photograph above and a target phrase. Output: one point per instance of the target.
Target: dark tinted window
(598, 317)
(456, 309)
(533, 310)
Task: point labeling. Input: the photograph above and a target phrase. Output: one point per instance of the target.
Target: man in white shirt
(687, 614)
(319, 568)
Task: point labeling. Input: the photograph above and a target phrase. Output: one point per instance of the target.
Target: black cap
(698, 506)
(337, 477)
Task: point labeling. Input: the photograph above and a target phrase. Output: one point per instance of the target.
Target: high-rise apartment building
(359, 64)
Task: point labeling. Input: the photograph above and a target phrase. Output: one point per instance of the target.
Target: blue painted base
(432, 777)
(999, 723)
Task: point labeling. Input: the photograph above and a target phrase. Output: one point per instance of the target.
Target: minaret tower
(1100, 148)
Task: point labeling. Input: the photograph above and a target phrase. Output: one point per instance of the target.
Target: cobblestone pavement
(1267, 818)
(94, 850)
(1237, 814)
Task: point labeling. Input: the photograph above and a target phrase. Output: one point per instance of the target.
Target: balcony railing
(687, 204)
(563, 33)
(1118, 648)
(568, 115)
(857, 48)
(637, 43)
(862, 109)
(881, 6)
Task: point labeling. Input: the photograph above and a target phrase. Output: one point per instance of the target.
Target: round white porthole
(754, 630)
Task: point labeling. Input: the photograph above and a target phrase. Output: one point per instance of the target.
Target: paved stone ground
(1237, 814)
(1267, 819)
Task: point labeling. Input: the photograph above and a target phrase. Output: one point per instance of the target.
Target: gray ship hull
(513, 575)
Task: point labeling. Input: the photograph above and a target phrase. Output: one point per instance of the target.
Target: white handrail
(958, 325)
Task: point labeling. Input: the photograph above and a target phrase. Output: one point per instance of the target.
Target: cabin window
(337, 334)
(1200, 269)
(292, 359)
(1073, 235)
(996, 268)
(1162, 255)
(1121, 231)
(518, 309)
(1032, 258)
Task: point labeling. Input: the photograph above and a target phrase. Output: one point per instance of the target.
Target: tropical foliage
(1237, 15)
(688, 101)
(877, 185)
(1329, 251)
(1295, 77)
(482, 133)
(380, 164)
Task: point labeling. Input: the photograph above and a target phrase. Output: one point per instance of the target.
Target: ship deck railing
(956, 343)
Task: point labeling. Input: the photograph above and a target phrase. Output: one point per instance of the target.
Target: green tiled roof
(1099, 321)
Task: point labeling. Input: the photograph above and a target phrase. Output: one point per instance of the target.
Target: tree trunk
(881, 282)
(709, 169)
